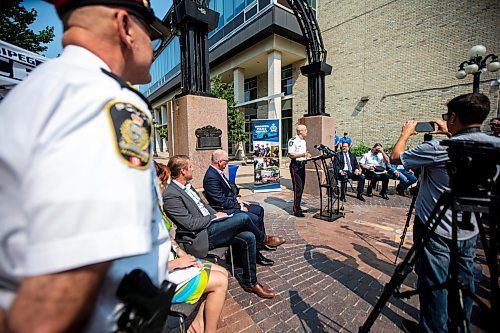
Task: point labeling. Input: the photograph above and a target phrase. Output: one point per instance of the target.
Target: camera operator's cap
(141, 8)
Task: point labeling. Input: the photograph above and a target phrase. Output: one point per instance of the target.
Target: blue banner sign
(266, 145)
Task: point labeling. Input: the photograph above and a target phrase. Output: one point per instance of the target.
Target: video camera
(472, 167)
(325, 150)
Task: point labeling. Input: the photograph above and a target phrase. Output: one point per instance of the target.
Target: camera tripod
(488, 207)
(407, 224)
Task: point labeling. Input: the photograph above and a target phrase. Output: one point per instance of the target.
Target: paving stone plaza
(328, 275)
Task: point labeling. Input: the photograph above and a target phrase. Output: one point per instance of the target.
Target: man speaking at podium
(298, 154)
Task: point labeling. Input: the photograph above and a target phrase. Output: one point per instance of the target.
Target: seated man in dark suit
(348, 168)
(184, 207)
(218, 192)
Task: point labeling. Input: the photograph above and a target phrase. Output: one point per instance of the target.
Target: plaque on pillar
(208, 137)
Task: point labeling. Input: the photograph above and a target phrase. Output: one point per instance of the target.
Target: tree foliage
(14, 27)
(235, 120)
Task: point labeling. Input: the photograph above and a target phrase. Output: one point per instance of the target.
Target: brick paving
(328, 275)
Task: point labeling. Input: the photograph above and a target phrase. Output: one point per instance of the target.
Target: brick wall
(401, 55)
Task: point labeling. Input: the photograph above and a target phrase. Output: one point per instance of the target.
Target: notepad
(182, 275)
(220, 218)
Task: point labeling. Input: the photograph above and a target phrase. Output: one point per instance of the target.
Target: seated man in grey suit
(183, 205)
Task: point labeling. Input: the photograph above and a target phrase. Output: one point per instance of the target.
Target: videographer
(461, 122)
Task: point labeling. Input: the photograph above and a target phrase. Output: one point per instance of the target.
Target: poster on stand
(266, 162)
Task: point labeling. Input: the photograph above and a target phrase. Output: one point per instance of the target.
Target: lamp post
(477, 65)
(155, 125)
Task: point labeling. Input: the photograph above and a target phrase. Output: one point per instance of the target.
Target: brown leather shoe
(260, 291)
(273, 241)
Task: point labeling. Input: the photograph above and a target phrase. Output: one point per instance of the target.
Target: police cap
(138, 7)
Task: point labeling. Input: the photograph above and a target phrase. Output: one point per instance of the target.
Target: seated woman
(196, 276)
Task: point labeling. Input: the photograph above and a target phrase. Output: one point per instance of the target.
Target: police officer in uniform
(78, 202)
(298, 154)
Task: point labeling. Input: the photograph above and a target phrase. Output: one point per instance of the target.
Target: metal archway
(192, 19)
(317, 68)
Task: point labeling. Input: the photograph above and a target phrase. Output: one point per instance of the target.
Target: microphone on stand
(325, 150)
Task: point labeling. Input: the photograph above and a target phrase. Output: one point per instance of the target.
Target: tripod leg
(407, 224)
(456, 301)
(406, 266)
(490, 251)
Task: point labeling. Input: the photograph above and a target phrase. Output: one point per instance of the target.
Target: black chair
(214, 255)
(181, 315)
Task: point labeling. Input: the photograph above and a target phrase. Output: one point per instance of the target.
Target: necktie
(226, 181)
(348, 161)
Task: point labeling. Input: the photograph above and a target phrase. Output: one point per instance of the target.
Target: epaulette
(128, 86)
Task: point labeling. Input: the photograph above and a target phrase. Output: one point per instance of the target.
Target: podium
(331, 207)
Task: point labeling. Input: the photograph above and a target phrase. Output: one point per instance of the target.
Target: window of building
(250, 87)
(286, 80)
(250, 115)
(286, 124)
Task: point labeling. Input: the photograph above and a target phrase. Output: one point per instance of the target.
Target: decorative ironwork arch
(192, 19)
(317, 68)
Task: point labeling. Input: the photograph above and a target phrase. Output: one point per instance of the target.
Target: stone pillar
(239, 85)
(320, 129)
(273, 88)
(274, 83)
(191, 112)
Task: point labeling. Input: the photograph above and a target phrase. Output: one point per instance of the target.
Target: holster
(146, 306)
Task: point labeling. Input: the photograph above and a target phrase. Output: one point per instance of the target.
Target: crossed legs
(210, 310)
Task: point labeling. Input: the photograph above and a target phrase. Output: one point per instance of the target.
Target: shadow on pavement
(287, 206)
(311, 319)
(362, 284)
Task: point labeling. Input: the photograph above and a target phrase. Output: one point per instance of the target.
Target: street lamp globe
(471, 69)
(493, 66)
(477, 51)
(461, 74)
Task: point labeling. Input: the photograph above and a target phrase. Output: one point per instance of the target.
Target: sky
(47, 16)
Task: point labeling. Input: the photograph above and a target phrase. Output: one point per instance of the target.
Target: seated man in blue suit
(219, 193)
(348, 168)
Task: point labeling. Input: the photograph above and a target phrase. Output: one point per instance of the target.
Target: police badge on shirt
(132, 129)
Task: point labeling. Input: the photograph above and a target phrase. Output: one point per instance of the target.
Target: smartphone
(424, 127)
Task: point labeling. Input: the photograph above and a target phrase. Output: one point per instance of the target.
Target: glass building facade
(236, 16)
(233, 14)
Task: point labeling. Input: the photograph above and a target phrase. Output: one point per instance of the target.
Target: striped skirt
(191, 291)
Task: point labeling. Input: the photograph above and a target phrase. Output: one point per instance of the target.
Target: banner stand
(266, 163)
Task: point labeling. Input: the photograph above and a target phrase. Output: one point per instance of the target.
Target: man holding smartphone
(461, 122)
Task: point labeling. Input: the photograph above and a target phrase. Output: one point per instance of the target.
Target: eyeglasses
(224, 161)
(495, 125)
(445, 116)
(156, 42)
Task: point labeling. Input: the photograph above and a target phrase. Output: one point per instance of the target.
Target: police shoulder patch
(132, 132)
